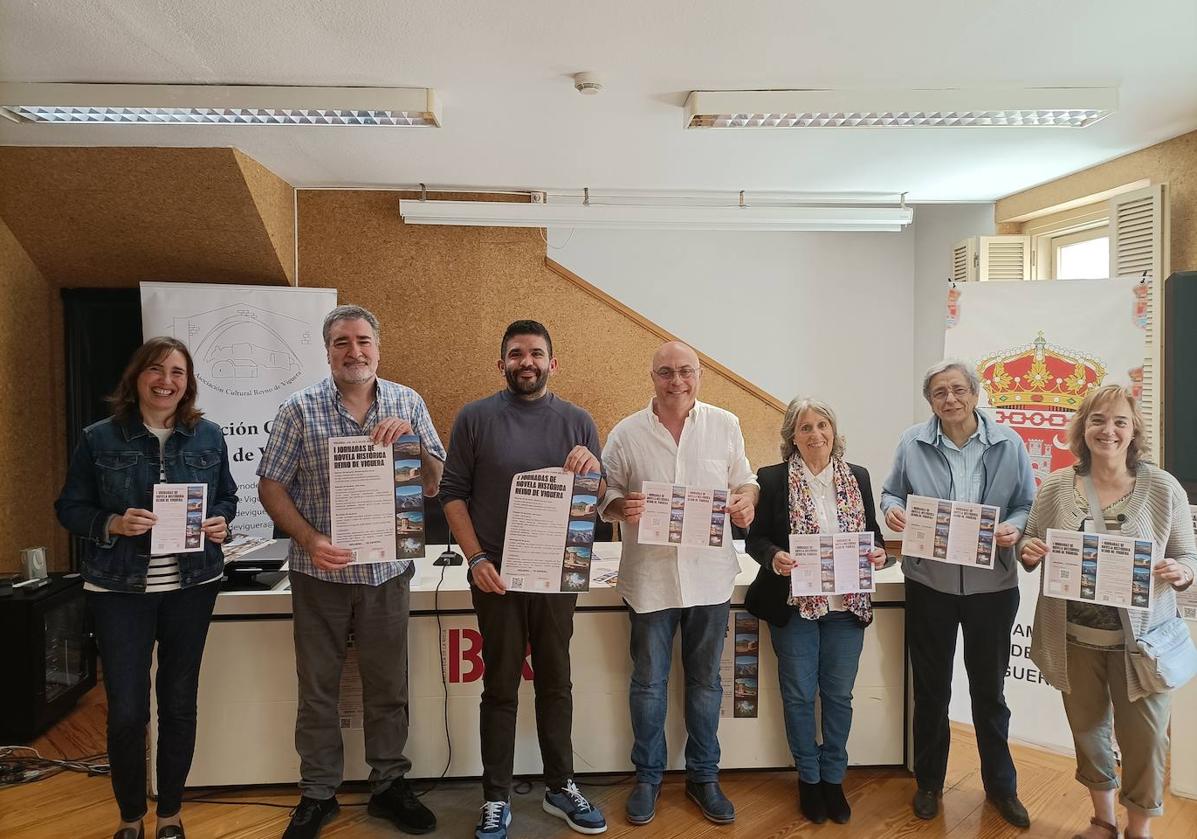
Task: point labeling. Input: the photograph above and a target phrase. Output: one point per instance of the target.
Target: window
(1081, 256)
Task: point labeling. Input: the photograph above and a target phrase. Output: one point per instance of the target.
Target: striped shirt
(297, 457)
(968, 478)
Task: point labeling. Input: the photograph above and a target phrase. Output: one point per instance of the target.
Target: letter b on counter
(465, 656)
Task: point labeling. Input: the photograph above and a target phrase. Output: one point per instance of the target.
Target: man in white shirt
(677, 440)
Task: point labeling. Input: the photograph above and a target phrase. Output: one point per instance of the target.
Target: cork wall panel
(117, 216)
(1173, 162)
(275, 201)
(445, 294)
(31, 459)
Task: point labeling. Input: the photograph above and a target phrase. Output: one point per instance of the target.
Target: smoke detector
(587, 84)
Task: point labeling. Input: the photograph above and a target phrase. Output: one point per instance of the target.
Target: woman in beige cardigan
(1081, 647)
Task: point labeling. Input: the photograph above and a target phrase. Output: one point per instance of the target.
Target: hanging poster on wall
(253, 346)
(1038, 348)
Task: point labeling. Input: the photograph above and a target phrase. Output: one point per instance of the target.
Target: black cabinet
(47, 656)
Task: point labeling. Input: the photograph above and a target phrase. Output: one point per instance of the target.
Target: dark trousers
(324, 614)
(932, 620)
(509, 624)
(127, 626)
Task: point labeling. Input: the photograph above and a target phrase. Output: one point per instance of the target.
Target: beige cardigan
(1157, 509)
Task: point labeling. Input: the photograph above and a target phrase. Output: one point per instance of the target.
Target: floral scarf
(804, 518)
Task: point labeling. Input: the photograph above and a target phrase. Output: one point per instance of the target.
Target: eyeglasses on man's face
(667, 373)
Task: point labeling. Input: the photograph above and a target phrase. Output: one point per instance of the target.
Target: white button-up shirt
(709, 454)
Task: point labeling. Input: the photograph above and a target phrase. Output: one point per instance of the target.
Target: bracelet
(476, 558)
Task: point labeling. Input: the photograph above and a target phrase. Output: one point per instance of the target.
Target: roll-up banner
(253, 346)
(1038, 348)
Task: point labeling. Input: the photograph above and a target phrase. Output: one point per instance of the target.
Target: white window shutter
(964, 261)
(1003, 258)
(1137, 248)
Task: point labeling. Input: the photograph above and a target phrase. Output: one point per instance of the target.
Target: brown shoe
(1111, 829)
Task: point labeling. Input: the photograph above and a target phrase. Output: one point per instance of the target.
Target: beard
(356, 375)
(526, 387)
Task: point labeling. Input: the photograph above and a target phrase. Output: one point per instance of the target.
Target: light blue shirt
(968, 476)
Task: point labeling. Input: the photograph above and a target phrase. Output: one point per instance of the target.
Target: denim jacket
(114, 468)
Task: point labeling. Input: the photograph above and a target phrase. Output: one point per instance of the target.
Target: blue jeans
(127, 628)
(703, 631)
(818, 656)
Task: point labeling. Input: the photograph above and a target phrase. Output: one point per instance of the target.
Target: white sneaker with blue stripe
(494, 821)
(570, 805)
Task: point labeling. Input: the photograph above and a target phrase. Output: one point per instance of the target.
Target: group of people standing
(156, 434)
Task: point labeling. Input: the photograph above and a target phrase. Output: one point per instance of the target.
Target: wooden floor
(73, 805)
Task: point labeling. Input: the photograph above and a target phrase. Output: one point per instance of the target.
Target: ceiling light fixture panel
(119, 104)
(1027, 108)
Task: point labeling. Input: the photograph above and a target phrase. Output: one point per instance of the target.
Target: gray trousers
(1098, 696)
(324, 615)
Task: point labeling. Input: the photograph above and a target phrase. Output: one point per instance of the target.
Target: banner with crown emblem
(1038, 348)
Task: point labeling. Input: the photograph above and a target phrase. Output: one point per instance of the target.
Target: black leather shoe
(1011, 810)
(130, 833)
(398, 805)
(810, 802)
(642, 803)
(926, 803)
(170, 831)
(310, 816)
(837, 803)
(711, 800)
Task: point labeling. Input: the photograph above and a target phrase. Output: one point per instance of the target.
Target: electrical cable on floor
(18, 768)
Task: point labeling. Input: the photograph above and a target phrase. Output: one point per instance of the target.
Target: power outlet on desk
(449, 558)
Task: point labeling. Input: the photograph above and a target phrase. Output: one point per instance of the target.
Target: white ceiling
(512, 118)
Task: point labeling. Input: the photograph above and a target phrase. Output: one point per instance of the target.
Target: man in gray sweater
(519, 429)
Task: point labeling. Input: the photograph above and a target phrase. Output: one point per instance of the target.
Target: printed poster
(550, 531)
(1186, 601)
(739, 666)
(950, 531)
(1099, 568)
(180, 509)
(831, 563)
(686, 516)
(376, 498)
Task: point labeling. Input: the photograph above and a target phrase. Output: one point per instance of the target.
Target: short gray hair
(794, 410)
(349, 313)
(970, 375)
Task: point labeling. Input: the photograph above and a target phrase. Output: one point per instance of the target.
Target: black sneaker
(399, 805)
(309, 816)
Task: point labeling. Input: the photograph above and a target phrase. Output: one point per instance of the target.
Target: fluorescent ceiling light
(136, 104)
(1044, 107)
(656, 217)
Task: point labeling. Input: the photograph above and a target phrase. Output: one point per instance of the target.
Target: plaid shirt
(297, 457)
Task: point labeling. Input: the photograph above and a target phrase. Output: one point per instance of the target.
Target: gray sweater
(1157, 509)
(496, 437)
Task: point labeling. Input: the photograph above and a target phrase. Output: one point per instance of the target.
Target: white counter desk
(247, 693)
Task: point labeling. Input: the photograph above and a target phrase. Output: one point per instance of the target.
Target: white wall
(822, 314)
(936, 228)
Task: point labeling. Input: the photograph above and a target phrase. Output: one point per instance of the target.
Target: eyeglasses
(667, 373)
(942, 393)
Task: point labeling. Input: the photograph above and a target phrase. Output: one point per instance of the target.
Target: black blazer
(770, 531)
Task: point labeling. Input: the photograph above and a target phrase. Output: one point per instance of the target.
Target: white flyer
(361, 498)
(955, 532)
(180, 509)
(682, 515)
(1099, 568)
(550, 531)
(1186, 601)
(831, 563)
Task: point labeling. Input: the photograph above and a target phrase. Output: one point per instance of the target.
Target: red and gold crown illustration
(1039, 375)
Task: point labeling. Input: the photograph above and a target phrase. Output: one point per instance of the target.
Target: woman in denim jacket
(155, 435)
